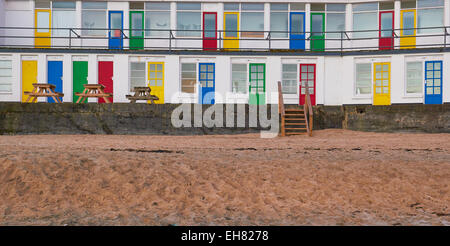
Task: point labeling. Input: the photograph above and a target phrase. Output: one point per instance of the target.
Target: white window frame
(190, 11)
(105, 34)
(145, 72)
(288, 20)
(242, 36)
(10, 59)
(354, 88)
(149, 11)
(333, 12)
(377, 13)
(63, 9)
(246, 78)
(297, 65)
(405, 89)
(432, 30)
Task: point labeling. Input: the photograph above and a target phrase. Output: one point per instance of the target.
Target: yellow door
(156, 80)
(29, 76)
(42, 33)
(382, 83)
(408, 31)
(231, 34)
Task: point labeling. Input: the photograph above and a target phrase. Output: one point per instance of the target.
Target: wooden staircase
(295, 120)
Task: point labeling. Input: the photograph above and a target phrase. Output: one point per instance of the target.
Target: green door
(257, 86)
(80, 73)
(136, 30)
(317, 31)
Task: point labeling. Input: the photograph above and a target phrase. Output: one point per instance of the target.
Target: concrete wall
(67, 118)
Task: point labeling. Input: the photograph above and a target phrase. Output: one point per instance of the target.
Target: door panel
(297, 31)
(257, 87)
(43, 25)
(386, 32)
(105, 77)
(408, 21)
(308, 79)
(156, 80)
(317, 31)
(231, 34)
(137, 30)
(29, 77)
(382, 83)
(54, 77)
(80, 74)
(433, 82)
(115, 30)
(209, 31)
(206, 77)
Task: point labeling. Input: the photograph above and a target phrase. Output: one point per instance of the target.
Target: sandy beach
(336, 177)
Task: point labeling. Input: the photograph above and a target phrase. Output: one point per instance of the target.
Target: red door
(386, 32)
(105, 77)
(209, 31)
(308, 78)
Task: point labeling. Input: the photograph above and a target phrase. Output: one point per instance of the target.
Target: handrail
(11, 37)
(281, 110)
(307, 107)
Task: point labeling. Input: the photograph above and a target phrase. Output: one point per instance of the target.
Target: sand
(336, 177)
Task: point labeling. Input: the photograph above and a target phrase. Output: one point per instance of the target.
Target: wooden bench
(142, 93)
(93, 90)
(43, 90)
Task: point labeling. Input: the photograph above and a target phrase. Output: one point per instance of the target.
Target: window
(363, 78)
(289, 79)
(93, 15)
(430, 13)
(5, 76)
(239, 78)
(365, 17)
(189, 19)
(63, 16)
(137, 75)
(157, 18)
(156, 71)
(252, 20)
(279, 20)
(43, 22)
(335, 15)
(42, 4)
(188, 77)
(414, 76)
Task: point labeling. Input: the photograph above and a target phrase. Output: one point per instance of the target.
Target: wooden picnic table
(142, 93)
(43, 90)
(93, 90)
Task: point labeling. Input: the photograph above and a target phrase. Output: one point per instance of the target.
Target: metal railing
(171, 39)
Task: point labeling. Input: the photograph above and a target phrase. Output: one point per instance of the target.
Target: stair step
(295, 128)
(295, 123)
(293, 114)
(295, 133)
(294, 119)
(293, 110)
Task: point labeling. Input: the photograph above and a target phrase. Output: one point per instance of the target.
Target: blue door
(207, 83)
(433, 82)
(115, 30)
(54, 77)
(297, 31)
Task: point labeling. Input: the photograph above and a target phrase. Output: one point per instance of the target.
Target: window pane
(336, 7)
(210, 25)
(189, 21)
(297, 6)
(363, 78)
(365, 7)
(408, 23)
(253, 6)
(252, 21)
(279, 6)
(317, 24)
(317, 7)
(335, 23)
(289, 81)
(279, 22)
(239, 78)
(136, 24)
(408, 4)
(94, 5)
(429, 3)
(157, 6)
(43, 21)
(231, 7)
(386, 5)
(157, 21)
(94, 19)
(188, 6)
(63, 19)
(364, 22)
(231, 24)
(430, 18)
(63, 5)
(414, 77)
(386, 24)
(297, 24)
